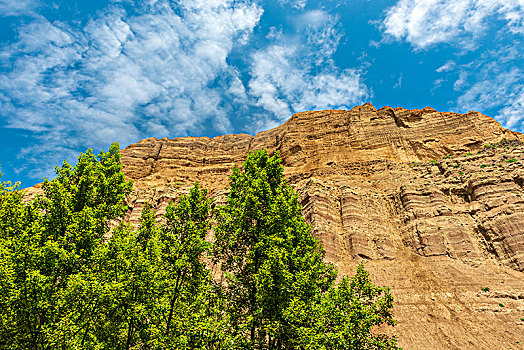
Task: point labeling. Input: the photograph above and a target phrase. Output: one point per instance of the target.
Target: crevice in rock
(349, 124)
(249, 145)
(295, 149)
(364, 256)
(505, 295)
(155, 159)
(486, 240)
(519, 180)
(398, 121)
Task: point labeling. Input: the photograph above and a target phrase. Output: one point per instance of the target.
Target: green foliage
(485, 289)
(501, 305)
(511, 160)
(188, 281)
(279, 292)
(74, 275)
(504, 144)
(349, 312)
(128, 275)
(48, 251)
(268, 252)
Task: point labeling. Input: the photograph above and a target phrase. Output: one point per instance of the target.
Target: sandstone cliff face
(416, 194)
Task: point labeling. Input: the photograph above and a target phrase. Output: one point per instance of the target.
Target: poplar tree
(70, 279)
(279, 292)
(270, 258)
(48, 248)
(190, 319)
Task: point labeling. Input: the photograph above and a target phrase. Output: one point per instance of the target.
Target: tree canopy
(75, 275)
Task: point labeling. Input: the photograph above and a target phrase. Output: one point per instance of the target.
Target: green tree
(156, 290)
(271, 260)
(129, 276)
(280, 294)
(190, 314)
(353, 309)
(346, 316)
(49, 247)
(73, 275)
(15, 220)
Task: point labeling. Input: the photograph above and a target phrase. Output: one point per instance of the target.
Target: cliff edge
(432, 202)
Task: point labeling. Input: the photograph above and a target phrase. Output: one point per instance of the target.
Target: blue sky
(78, 74)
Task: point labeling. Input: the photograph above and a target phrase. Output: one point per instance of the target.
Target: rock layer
(433, 203)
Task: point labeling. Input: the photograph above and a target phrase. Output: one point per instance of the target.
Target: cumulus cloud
(124, 76)
(425, 23)
(321, 31)
(165, 68)
(512, 115)
(297, 73)
(494, 81)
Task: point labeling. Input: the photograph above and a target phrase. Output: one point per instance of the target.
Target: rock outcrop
(433, 203)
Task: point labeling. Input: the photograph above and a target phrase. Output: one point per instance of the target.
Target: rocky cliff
(432, 202)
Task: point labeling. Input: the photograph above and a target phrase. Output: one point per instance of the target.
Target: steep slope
(433, 203)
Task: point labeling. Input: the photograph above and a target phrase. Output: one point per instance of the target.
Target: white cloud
(398, 84)
(424, 23)
(297, 73)
(437, 84)
(494, 79)
(298, 4)
(313, 18)
(17, 7)
(123, 77)
(446, 67)
(499, 90)
(495, 82)
(512, 115)
(274, 33)
(161, 70)
(461, 81)
(321, 31)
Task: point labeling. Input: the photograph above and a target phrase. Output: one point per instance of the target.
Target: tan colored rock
(375, 188)
(414, 194)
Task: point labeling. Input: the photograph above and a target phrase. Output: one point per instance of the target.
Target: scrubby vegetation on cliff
(75, 275)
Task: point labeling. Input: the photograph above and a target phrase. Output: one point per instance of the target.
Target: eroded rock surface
(433, 203)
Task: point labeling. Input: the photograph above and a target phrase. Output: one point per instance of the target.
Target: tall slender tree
(270, 258)
(192, 313)
(280, 294)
